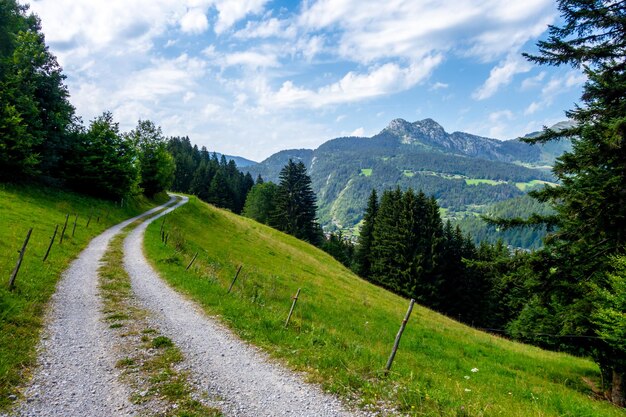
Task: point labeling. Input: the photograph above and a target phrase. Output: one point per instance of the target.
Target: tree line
(216, 181)
(41, 138)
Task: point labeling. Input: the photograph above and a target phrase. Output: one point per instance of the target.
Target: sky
(252, 77)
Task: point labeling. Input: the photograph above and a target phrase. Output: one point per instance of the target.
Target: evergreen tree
(35, 113)
(364, 249)
(590, 204)
(296, 204)
(102, 161)
(260, 202)
(386, 264)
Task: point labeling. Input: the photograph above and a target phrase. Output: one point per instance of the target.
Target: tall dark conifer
(296, 204)
(590, 204)
(364, 249)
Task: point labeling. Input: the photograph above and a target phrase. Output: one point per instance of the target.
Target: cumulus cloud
(554, 87)
(231, 11)
(410, 29)
(501, 75)
(194, 21)
(386, 79)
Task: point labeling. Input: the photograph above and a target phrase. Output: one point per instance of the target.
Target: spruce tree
(590, 203)
(296, 204)
(364, 249)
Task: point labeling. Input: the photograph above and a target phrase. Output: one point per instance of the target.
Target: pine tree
(590, 204)
(364, 249)
(296, 204)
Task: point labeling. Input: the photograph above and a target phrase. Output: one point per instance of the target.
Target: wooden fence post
(234, 279)
(74, 228)
(293, 305)
(193, 259)
(51, 242)
(89, 219)
(19, 261)
(64, 227)
(398, 336)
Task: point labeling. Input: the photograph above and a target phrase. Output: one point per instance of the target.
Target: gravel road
(244, 380)
(76, 373)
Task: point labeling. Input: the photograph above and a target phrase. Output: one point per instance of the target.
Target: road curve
(76, 373)
(248, 384)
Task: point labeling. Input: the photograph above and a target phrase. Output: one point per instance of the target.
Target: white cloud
(411, 29)
(271, 27)
(555, 86)
(250, 59)
(438, 86)
(358, 132)
(532, 108)
(231, 11)
(499, 123)
(532, 82)
(501, 75)
(194, 21)
(386, 79)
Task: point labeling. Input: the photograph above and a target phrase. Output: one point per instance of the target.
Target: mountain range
(465, 172)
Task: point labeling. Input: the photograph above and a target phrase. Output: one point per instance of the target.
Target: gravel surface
(76, 373)
(245, 381)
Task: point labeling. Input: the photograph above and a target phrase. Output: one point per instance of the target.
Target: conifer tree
(590, 203)
(364, 250)
(296, 204)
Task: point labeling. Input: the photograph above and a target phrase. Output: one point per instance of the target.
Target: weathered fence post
(19, 261)
(234, 279)
(398, 336)
(51, 242)
(64, 227)
(293, 305)
(74, 228)
(89, 219)
(193, 259)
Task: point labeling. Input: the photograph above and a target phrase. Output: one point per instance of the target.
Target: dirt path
(76, 375)
(245, 381)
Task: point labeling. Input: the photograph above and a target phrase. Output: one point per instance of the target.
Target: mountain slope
(465, 172)
(343, 327)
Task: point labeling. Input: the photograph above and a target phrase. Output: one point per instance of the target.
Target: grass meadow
(343, 327)
(22, 310)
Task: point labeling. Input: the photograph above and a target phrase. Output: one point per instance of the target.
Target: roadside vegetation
(343, 327)
(22, 310)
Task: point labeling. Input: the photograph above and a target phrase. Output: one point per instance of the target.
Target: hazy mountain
(240, 161)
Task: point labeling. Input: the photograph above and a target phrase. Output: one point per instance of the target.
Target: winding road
(77, 375)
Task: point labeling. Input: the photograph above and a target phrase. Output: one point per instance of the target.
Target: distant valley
(467, 173)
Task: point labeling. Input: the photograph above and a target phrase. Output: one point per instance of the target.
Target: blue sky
(252, 77)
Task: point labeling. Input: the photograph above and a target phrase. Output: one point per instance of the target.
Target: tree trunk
(618, 389)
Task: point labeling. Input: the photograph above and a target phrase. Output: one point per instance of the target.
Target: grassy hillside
(21, 311)
(343, 327)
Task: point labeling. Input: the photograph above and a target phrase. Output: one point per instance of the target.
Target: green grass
(343, 327)
(534, 183)
(366, 172)
(408, 173)
(476, 181)
(21, 311)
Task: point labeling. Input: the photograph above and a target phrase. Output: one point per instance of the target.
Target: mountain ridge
(465, 172)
